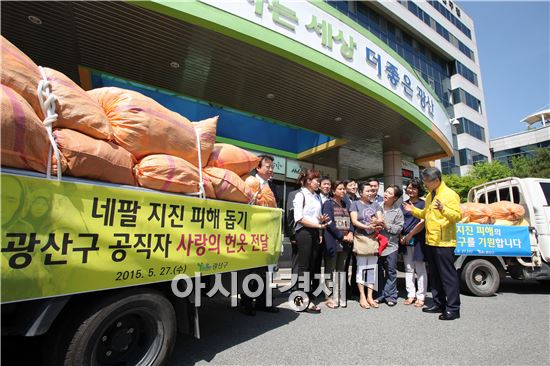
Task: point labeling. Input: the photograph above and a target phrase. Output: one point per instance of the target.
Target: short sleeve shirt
(364, 213)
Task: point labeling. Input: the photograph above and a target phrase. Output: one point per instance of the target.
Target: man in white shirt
(264, 174)
(373, 182)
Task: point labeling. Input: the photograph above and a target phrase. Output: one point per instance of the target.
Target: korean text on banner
(65, 237)
(492, 240)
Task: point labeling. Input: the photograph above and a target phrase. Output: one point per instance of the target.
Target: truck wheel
(128, 328)
(480, 277)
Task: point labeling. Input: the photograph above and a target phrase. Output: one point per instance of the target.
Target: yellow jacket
(441, 224)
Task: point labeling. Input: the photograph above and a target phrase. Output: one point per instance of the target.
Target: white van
(481, 275)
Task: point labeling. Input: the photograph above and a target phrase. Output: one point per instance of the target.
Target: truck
(481, 275)
(101, 270)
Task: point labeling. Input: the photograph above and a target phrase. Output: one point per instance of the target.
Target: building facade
(438, 39)
(505, 148)
(354, 89)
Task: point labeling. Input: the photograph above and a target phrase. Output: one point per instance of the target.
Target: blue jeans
(387, 274)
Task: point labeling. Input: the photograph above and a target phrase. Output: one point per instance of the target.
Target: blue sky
(513, 40)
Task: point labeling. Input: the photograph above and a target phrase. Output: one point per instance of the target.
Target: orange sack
(21, 74)
(170, 174)
(144, 127)
(262, 197)
(25, 142)
(75, 109)
(506, 210)
(228, 185)
(233, 158)
(90, 158)
(476, 212)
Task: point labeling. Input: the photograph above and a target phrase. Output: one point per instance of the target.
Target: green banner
(65, 237)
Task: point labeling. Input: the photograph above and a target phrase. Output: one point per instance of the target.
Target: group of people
(329, 216)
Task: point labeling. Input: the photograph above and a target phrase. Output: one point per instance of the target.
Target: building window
(450, 17)
(471, 128)
(441, 30)
(429, 65)
(462, 96)
(471, 157)
(447, 165)
(458, 68)
(506, 156)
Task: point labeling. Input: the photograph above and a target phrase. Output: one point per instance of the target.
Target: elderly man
(263, 173)
(324, 189)
(440, 214)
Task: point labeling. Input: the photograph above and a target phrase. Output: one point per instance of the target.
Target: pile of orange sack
(118, 136)
(498, 213)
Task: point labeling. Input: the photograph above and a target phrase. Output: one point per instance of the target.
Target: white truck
(480, 275)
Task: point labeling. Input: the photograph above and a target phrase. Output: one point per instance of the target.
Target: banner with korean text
(69, 237)
(492, 240)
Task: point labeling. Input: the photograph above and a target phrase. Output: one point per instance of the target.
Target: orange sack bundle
(476, 212)
(262, 196)
(21, 74)
(170, 174)
(86, 157)
(25, 142)
(75, 109)
(144, 127)
(233, 158)
(228, 185)
(506, 210)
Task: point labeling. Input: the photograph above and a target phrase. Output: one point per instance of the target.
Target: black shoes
(269, 309)
(432, 309)
(248, 310)
(445, 314)
(448, 315)
(391, 303)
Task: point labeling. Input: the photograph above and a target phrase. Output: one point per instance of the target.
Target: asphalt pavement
(510, 328)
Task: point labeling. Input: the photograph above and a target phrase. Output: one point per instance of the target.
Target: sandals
(409, 301)
(313, 309)
(331, 304)
(419, 303)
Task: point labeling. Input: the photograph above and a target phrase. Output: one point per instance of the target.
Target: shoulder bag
(364, 245)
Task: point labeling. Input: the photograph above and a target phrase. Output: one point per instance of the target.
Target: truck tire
(480, 278)
(128, 328)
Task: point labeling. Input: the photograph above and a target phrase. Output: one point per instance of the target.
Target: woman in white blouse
(309, 221)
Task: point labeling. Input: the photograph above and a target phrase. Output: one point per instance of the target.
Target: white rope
(47, 102)
(201, 192)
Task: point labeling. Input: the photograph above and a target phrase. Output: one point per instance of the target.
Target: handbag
(365, 245)
(383, 243)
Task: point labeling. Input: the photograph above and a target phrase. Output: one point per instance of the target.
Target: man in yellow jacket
(440, 214)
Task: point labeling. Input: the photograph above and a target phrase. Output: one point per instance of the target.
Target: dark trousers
(246, 300)
(443, 278)
(318, 264)
(352, 260)
(308, 252)
(387, 275)
(294, 257)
